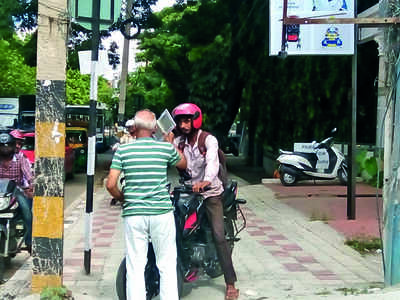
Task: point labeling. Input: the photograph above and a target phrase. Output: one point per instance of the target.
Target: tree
(194, 61)
(215, 53)
(78, 89)
(16, 78)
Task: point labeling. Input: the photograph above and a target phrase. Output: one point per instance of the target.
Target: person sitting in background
(128, 136)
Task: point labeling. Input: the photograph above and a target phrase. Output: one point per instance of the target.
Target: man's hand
(198, 187)
(112, 185)
(169, 137)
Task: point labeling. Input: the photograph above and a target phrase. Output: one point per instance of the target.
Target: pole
(92, 135)
(48, 198)
(284, 27)
(351, 179)
(124, 65)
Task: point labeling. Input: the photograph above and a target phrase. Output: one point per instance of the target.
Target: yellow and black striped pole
(48, 201)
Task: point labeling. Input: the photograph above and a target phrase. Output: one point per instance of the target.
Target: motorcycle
(319, 161)
(12, 229)
(195, 246)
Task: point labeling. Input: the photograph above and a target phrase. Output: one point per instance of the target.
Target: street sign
(318, 39)
(81, 11)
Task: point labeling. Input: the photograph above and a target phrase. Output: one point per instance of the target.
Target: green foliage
(78, 89)
(187, 63)
(7, 9)
(16, 77)
(368, 168)
(364, 245)
(17, 14)
(55, 293)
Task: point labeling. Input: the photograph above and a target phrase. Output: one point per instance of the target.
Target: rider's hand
(198, 187)
(28, 192)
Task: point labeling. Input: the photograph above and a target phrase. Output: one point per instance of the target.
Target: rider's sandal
(231, 293)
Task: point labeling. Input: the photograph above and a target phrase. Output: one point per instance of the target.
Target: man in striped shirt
(147, 208)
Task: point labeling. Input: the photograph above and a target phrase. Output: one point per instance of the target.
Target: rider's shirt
(144, 163)
(203, 167)
(26, 170)
(13, 171)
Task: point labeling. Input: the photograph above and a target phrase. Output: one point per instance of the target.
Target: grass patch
(349, 291)
(364, 245)
(325, 292)
(319, 216)
(56, 293)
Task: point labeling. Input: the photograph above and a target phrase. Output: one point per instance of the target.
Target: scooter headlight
(4, 202)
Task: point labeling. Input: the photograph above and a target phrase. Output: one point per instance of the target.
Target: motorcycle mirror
(334, 130)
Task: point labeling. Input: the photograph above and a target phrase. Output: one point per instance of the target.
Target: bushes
(368, 168)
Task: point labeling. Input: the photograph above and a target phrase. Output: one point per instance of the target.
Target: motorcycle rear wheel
(121, 282)
(229, 233)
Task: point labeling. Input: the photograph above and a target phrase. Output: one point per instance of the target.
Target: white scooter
(321, 161)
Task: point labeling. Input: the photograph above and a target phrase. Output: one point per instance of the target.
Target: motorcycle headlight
(4, 202)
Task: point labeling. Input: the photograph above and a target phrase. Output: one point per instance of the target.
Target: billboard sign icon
(312, 39)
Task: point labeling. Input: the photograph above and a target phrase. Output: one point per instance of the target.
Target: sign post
(94, 15)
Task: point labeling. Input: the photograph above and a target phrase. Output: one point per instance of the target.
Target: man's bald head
(145, 120)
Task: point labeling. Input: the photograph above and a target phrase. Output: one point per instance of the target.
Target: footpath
(282, 254)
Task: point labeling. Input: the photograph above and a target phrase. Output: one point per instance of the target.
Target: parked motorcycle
(322, 161)
(12, 229)
(195, 245)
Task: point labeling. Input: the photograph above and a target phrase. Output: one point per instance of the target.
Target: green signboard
(81, 12)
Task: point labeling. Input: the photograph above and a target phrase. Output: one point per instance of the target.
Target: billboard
(315, 39)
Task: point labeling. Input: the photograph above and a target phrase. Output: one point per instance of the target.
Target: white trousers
(161, 230)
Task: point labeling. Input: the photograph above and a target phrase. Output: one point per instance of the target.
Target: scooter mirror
(334, 130)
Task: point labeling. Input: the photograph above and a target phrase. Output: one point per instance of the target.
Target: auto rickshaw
(77, 138)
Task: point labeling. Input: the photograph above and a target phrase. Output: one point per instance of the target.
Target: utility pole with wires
(124, 64)
(48, 200)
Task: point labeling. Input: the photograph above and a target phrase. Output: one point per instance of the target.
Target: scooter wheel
(287, 179)
(342, 174)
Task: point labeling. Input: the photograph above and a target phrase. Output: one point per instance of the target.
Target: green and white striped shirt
(144, 163)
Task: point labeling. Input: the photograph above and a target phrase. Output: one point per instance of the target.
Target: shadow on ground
(238, 166)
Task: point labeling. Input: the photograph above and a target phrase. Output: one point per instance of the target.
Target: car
(29, 151)
(332, 38)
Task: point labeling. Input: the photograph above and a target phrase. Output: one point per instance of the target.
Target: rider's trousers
(215, 214)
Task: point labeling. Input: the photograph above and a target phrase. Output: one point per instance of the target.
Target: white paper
(165, 124)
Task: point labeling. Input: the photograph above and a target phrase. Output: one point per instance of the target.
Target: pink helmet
(16, 134)
(189, 109)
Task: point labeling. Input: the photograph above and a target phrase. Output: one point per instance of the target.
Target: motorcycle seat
(229, 194)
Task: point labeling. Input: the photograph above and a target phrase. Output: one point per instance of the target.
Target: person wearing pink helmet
(11, 167)
(204, 168)
(26, 164)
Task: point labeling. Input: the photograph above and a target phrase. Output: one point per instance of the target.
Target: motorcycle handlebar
(189, 187)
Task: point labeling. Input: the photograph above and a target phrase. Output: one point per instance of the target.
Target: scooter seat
(284, 152)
